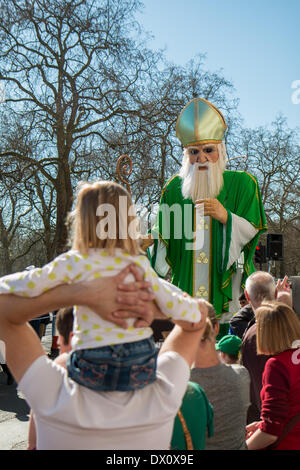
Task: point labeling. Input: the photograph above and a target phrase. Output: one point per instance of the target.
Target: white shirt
(2, 352)
(70, 416)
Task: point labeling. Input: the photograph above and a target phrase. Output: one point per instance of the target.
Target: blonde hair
(211, 322)
(278, 326)
(101, 204)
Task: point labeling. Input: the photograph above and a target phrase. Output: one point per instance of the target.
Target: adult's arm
(22, 344)
(104, 296)
(185, 337)
(260, 440)
(240, 320)
(275, 405)
(31, 444)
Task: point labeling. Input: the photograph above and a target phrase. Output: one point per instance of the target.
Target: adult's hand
(283, 285)
(201, 325)
(214, 208)
(137, 295)
(283, 292)
(115, 301)
(251, 428)
(185, 337)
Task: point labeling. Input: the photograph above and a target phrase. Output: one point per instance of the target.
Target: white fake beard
(201, 184)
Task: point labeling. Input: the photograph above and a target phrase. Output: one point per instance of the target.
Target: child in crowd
(229, 348)
(104, 239)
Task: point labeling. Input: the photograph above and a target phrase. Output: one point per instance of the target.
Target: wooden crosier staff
(124, 165)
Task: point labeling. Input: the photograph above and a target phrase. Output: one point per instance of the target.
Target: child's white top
(90, 330)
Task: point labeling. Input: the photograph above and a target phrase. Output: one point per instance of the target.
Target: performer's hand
(215, 209)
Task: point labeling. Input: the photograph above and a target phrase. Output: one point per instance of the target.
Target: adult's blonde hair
(278, 327)
(92, 210)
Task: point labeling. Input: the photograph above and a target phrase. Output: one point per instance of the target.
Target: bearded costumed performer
(220, 211)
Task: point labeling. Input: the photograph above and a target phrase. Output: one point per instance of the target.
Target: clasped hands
(213, 208)
(116, 301)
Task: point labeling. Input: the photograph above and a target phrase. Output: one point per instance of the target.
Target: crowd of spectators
(192, 392)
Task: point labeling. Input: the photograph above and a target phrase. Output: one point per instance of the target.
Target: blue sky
(255, 42)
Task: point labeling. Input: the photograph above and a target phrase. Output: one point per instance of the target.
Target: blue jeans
(122, 367)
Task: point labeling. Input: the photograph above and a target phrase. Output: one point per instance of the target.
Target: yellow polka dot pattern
(89, 328)
(171, 301)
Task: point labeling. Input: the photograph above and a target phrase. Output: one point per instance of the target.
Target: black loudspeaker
(295, 281)
(275, 246)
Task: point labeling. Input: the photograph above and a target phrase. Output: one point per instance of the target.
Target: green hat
(200, 122)
(230, 344)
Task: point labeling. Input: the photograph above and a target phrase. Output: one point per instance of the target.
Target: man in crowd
(209, 218)
(239, 322)
(70, 416)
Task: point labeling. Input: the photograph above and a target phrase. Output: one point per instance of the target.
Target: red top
(280, 397)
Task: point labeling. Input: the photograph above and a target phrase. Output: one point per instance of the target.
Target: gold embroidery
(202, 258)
(202, 225)
(202, 292)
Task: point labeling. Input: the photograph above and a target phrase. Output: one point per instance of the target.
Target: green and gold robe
(208, 270)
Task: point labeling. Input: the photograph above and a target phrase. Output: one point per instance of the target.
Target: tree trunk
(6, 261)
(64, 195)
